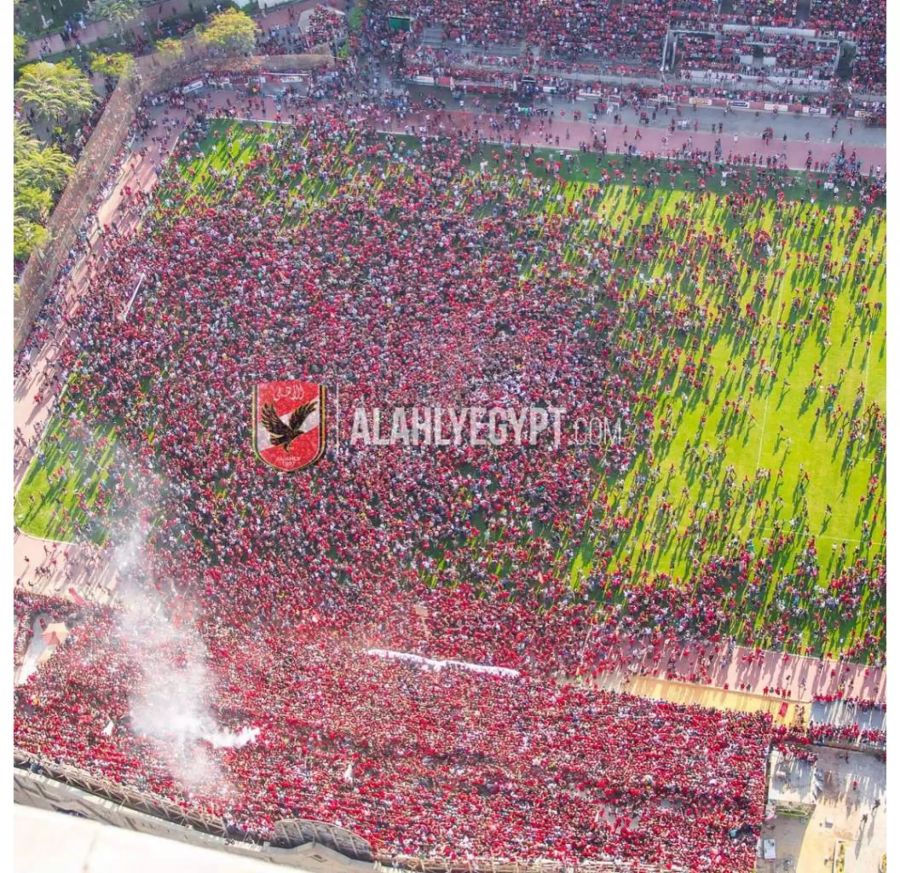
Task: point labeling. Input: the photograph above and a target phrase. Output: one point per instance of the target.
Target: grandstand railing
(293, 832)
(489, 865)
(151, 74)
(290, 832)
(120, 794)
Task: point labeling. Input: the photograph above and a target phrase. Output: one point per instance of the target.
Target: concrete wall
(41, 793)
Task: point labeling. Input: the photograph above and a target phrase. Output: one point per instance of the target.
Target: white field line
(137, 288)
(762, 432)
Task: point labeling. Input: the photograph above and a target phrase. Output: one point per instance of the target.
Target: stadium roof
(45, 840)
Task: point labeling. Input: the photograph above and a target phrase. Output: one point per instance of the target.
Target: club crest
(289, 424)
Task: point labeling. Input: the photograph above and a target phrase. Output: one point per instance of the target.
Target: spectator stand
(489, 865)
(41, 783)
(774, 56)
(774, 47)
(850, 714)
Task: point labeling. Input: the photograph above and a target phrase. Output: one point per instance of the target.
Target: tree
(39, 172)
(33, 203)
(27, 236)
(36, 165)
(23, 140)
(116, 65)
(170, 48)
(118, 13)
(52, 91)
(20, 48)
(230, 32)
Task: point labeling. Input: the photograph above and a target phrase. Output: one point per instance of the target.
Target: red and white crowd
(304, 263)
(633, 38)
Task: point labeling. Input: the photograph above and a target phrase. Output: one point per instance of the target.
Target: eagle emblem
(289, 423)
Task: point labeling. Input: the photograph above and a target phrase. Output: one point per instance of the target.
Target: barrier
(119, 794)
(288, 833)
(490, 865)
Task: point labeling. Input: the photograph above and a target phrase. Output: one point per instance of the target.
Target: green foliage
(54, 91)
(39, 173)
(20, 48)
(230, 32)
(170, 48)
(33, 203)
(116, 64)
(27, 236)
(356, 16)
(38, 165)
(118, 12)
(23, 140)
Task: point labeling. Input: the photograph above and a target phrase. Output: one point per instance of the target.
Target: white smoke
(232, 740)
(171, 703)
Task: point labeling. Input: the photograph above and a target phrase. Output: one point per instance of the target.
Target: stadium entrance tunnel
(294, 832)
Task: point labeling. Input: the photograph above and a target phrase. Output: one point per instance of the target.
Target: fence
(290, 833)
(293, 832)
(489, 865)
(151, 74)
(119, 794)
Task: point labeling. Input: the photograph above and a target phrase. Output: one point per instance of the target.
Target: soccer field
(769, 421)
(762, 340)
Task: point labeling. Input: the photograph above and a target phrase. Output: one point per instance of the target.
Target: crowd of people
(426, 763)
(296, 263)
(322, 27)
(774, 13)
(633, 39)
(729, 52)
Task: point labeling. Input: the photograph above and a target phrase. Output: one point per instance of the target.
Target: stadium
(451, 436)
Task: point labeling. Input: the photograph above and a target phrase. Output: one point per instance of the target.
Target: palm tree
(36, 165)
(28, 235)
(32, 203)
(53, 91)
(118, 13)
(39, 173)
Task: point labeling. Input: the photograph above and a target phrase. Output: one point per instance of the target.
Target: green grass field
(58, 497)
(767, 414)
(707, 454)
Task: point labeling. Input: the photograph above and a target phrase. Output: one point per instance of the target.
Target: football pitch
(763, 340)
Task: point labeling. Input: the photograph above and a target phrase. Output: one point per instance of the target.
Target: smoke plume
(171, 704)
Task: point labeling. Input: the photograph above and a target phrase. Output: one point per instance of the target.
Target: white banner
(433, 664)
